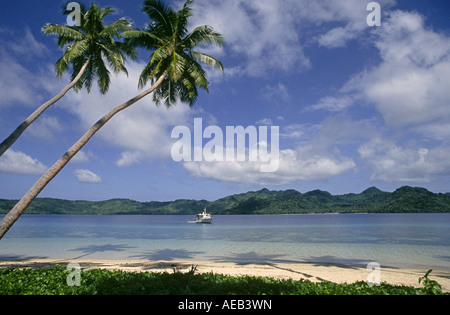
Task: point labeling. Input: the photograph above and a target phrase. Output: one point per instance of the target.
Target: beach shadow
(250, 258)
(167, 254)
(273, 261)
(93, 249)
(278, 262)
(254, 258)
(352, 263)
(17, 261)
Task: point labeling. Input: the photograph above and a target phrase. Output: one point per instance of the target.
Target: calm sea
(392, 240)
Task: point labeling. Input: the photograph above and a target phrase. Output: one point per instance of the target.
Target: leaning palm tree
(86, 48)
(174, 71)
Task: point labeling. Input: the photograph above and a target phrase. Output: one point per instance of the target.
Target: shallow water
(392, 240)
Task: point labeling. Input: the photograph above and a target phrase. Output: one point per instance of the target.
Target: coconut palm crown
(173, 52)
(92, 42)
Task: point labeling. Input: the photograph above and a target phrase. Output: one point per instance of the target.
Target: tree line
(404, 200)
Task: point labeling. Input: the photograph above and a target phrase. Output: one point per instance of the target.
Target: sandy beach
(309, 271)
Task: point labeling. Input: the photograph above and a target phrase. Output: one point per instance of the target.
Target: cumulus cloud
(351, 16)
(314, 158)
(16, 162)
(262, 32)
(267, 35)
(391, 162)
(410, 86)
(294, 165)
(87, 176)
(409, 89)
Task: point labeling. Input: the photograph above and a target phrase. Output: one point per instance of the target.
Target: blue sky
(356, 106)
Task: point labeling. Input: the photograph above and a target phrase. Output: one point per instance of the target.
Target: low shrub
(53, 281)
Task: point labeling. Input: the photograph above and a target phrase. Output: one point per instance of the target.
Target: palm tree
(173, 69)
(86, 49)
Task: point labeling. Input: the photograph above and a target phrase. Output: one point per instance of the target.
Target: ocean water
(392, 240)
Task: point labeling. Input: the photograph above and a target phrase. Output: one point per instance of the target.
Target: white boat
(203, 217)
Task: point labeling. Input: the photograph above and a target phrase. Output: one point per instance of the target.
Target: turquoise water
(392, 240)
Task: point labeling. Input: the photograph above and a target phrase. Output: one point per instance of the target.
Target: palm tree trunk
(23, 126)
(21, 206)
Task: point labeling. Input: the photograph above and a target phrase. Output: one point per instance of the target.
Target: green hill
(264, 201)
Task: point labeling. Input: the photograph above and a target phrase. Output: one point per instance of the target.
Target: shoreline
(315, 272)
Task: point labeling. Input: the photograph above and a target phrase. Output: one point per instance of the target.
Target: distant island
(372, 200)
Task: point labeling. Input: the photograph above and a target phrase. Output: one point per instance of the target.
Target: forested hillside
(372, 200)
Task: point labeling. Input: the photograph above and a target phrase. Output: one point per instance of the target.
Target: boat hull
(204, 221)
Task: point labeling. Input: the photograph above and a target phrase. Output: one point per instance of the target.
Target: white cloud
(86, 176)
(28, 44)
(16, 82)
(410, 86)
(45, 128)
(332, 104)
(294, 165)
(264, 122)
(390, 162)
(267, 35)
(314, 158)
(129, 158)
(142, 130)
(439, 131)
(16, 162)
(260, 31)
(275, 94)
(81, 157)
(352, 17)
(21, 85)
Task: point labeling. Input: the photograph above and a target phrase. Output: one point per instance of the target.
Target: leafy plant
(52, 281)
(431, 287)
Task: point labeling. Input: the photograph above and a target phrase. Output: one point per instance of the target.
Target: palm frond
(172, 52)
(103, 75)
(115, 59)
(203, 35)
(182, 17)
(125, 49)
(72, 52)
(66, 34)
(161, 15)
(88, 76)
(106, 11)
(142, 38)
(117, 28)
(207, 60)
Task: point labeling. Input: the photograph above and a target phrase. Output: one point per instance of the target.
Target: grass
(53, 281)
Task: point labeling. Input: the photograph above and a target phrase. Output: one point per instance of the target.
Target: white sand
(309, 271)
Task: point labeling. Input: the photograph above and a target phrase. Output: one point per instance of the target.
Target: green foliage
(431, 287)
(372, 200)
(93, 41)
(173, 52)
(52, 281)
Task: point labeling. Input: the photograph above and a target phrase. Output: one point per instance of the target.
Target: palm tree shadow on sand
(167, 254)
(94, 249)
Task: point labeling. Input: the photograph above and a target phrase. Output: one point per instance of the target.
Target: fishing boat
(203, 217)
